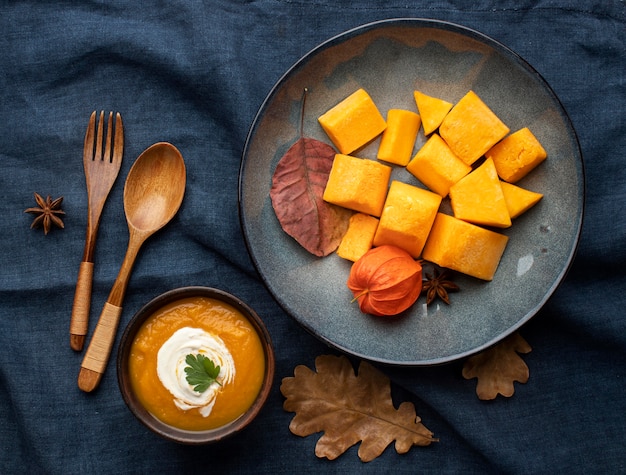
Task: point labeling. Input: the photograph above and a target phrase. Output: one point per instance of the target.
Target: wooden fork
(100, 173)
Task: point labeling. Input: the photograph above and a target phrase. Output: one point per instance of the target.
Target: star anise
(438, 285)
(47, 213)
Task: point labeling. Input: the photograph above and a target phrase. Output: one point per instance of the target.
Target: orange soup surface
(218, 319)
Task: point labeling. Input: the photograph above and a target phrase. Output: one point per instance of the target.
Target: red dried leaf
(297, 193)
(498, 368)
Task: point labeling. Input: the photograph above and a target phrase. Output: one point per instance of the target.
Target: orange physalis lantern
(385, 281)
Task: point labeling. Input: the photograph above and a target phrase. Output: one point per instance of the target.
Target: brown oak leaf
(498, 368)
(350, 408)
(297, 191)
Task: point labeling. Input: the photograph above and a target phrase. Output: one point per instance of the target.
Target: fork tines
(96, 147)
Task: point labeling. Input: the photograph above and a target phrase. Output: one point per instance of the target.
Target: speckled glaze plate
(390, 59)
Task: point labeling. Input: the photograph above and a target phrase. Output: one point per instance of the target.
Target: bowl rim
(165, 430)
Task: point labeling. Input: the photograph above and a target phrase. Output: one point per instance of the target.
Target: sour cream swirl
(171, 367)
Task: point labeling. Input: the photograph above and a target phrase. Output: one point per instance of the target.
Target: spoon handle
(97, 355)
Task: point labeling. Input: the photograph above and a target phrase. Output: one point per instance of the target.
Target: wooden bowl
(165, 430)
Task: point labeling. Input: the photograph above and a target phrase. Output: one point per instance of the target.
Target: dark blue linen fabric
(194, 74)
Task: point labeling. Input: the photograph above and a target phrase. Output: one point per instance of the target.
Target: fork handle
(97, 355)
(81, 307)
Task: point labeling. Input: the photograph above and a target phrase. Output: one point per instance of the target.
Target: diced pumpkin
(464, 247)
(478, 198)
(407, 217)
(436, 166)
(471, 128)
(353, 122)
(359, 237)
(518, 200)
(516, 155)
(398, 139)
(432, 110)
(358, 184)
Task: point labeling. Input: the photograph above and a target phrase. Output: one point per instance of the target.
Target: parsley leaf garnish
(201, 372)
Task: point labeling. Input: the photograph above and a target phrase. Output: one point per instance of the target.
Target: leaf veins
(350, 408)
(499, 367)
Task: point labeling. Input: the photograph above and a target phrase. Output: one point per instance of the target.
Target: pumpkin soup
(197, 326)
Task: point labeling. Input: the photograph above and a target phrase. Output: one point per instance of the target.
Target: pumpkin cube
(471, 128)
(518, 200)
(437, 167)
(353, 122)
(478, 198)
(516, 155)
(407, 217)
(398, 140)
(464, 247)
(358, 184)
(432, 110)
(358, 238)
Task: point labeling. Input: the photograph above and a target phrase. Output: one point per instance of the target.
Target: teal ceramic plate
(391, 59)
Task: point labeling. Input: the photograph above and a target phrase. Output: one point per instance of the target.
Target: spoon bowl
(153, 193)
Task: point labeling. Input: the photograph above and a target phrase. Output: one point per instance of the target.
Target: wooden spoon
(153, 194)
